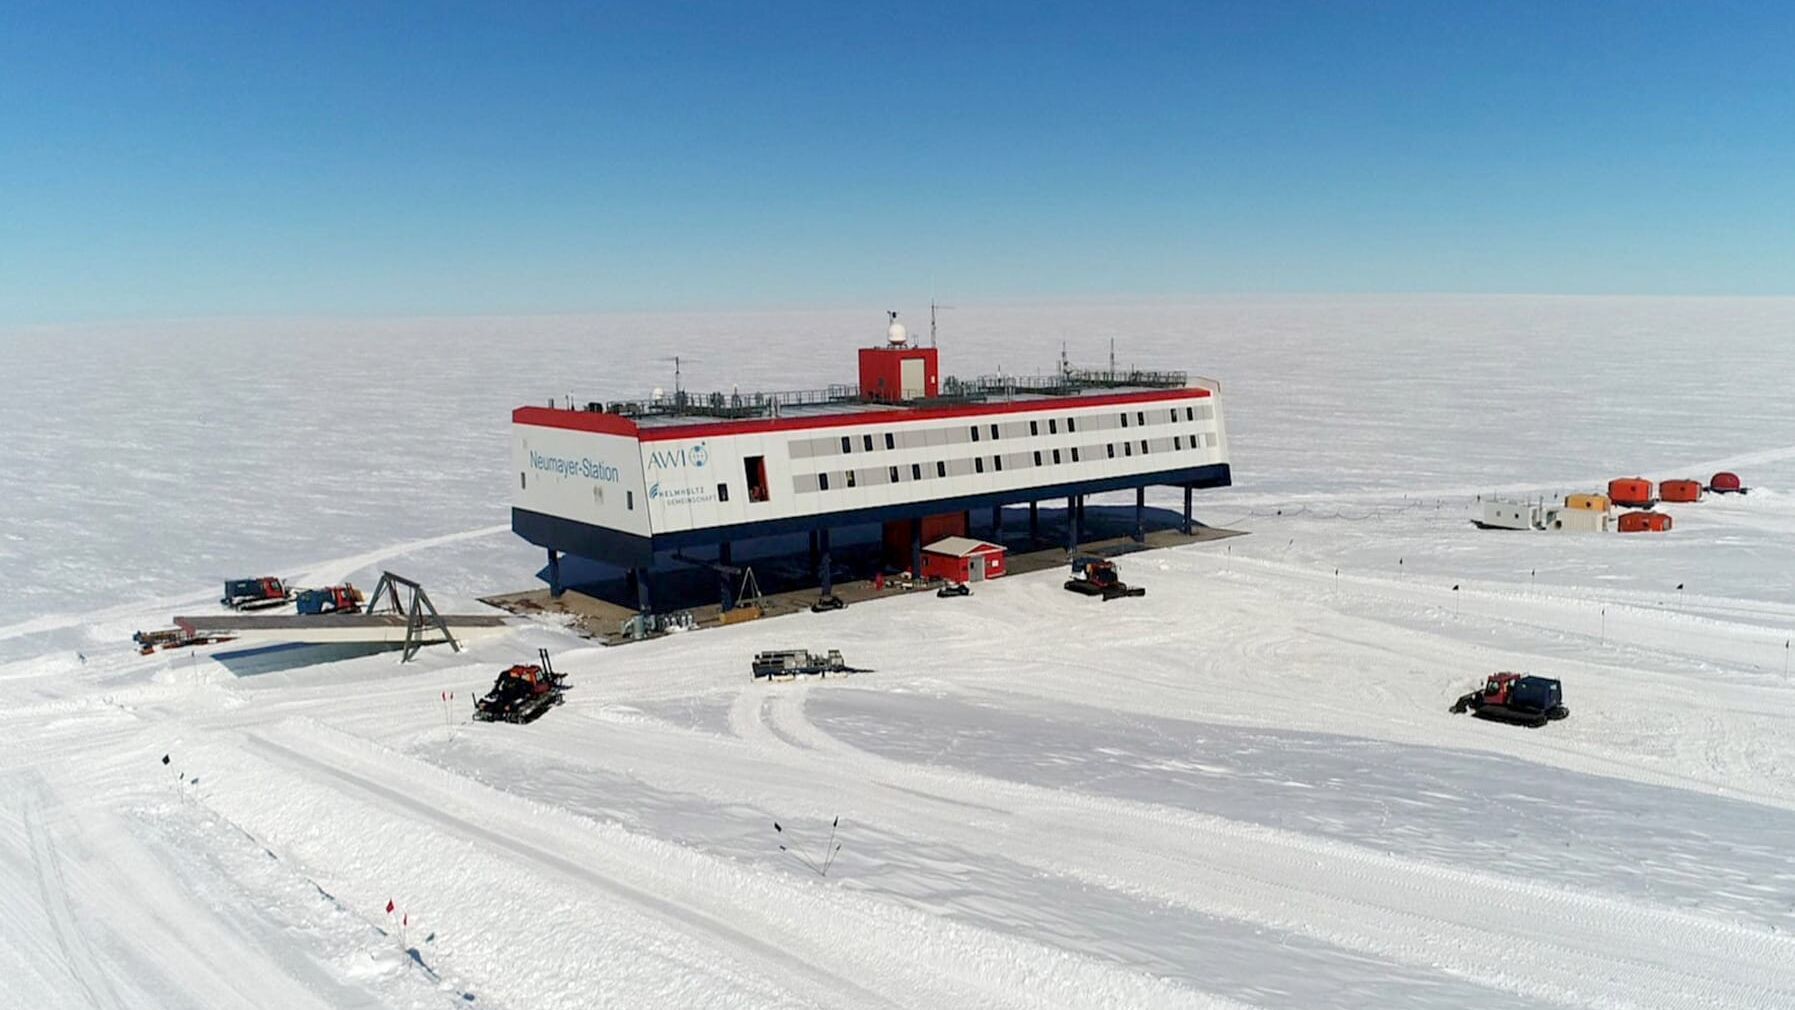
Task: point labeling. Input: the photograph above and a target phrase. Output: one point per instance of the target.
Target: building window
(867, 440)
(978, 464)
(894, 475)
(1075, 454)
(1174, 415)
(916, 471)
(1140, 418)
(722, 492)
(1056, 457)
(1177, 443)
(1034, 427)
(994, 433)
(975, 432)
(629, 500)
(1124, 420)
(1037, 457)
(847, 444)
(1143, 447)
(997, 463)
(890, 441)
(1053, 426)
(1071, 424)
(822, 482)
(1112, 450)
(523, 481)
(1127, 448)
(755, 468)
(1190, 414)
(940, 468)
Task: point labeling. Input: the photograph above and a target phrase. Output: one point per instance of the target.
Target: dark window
(1140, 418)
(822, 482)
(978, 464)
(755, 468)
(975, 433)
(1034, 427)
(994, 433)
(1143, 447)
(1112, 450)
(1053, 426)
(940, 469)
(1177, 443)
(868, 441)
(1071, 424)
(894, 476)
(1037, 457)
(722, 492)
(847, 444)
(890, 441)
(1127, 448)
(997, 463)
(1174, 413)
(523, 481)
(1190, 414)
(916, 471)
(1124, 420)
(629, 500)
(851, 481)
(1056, 457)
(1075, 455)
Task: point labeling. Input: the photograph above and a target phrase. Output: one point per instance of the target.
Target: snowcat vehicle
(1097, 577)
(1516, 698)
(343, 599)
(255, 594)
(784, 664)
(523, 693)
(954, 589)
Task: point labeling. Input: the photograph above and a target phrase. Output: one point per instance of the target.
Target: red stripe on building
(612, 424)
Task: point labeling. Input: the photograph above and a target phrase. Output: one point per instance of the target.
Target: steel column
(1140, 509)
(554, 573)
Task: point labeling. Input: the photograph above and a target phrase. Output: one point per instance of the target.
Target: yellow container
(1592, 502)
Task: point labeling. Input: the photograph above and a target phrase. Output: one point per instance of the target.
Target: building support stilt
(1140, 510)
(825, 572)
(1072, 506)
(1187, 511)
(1034, 522)
(554, 574)
(916, 549)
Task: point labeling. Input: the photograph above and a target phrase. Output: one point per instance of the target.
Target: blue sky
(192, 159)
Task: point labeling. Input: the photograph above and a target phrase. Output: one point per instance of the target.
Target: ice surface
(1241, 789)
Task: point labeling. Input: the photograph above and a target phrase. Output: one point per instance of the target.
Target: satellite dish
(895, 334)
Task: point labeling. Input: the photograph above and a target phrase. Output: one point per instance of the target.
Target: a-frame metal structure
(417, 625)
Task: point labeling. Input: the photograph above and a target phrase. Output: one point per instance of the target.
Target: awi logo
(696, 455)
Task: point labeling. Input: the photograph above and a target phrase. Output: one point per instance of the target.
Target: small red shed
(1630, 491)
(1644, 522)
(1679, 490)
(961, 559)
(1726, 482)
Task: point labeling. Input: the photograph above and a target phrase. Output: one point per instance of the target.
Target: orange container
(1644, 522)
(1680, 490)
(1630, 491)
(1588, 502)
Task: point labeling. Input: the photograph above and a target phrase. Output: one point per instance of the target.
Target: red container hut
(1644, 522)
(1726, 482)
(1633, 491)
(959, 559)
(1680, 490)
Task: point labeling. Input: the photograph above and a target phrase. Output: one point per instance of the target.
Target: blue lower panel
(628, 551)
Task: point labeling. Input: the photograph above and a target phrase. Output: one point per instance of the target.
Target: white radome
(896, 334)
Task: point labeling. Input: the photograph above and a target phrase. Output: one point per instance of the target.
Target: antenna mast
(933, 308)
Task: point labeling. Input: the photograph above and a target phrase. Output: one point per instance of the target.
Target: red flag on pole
(389, 906)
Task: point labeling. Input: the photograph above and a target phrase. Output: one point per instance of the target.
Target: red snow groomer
(523, 693)
(1094, 576)
(255, 594)
(1516, 698)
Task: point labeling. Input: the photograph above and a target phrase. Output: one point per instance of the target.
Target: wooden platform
(604, 621)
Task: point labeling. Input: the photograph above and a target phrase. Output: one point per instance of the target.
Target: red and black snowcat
(1516, 698)
(523, 693)
(1094, 576)
(255, 594)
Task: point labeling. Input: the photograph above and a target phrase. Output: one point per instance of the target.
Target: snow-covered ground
(1243, 789)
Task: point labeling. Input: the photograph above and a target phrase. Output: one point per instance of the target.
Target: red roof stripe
(612, 424)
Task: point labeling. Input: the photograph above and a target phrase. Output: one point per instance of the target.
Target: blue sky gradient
(194, 159)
